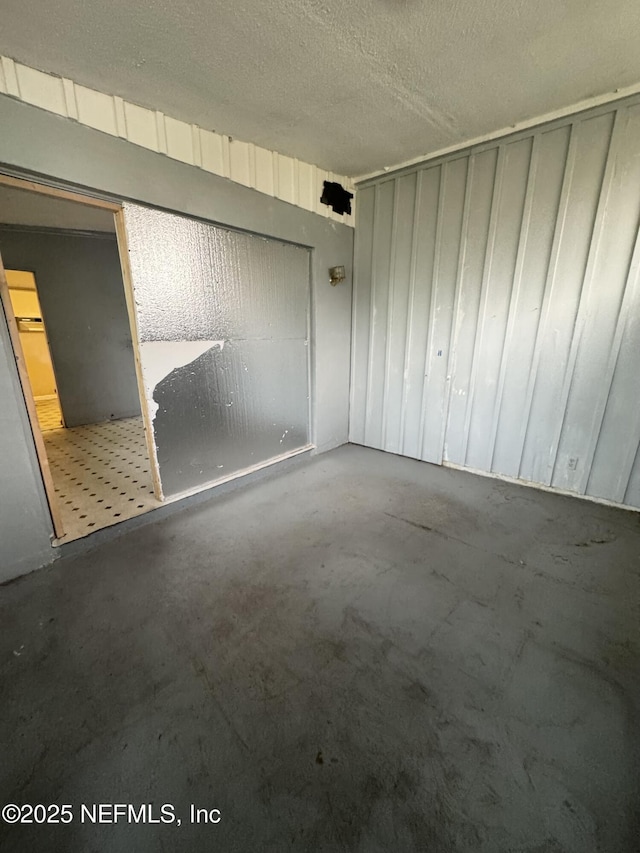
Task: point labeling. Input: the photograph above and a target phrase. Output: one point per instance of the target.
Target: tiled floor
(101, 474)
(49, 414)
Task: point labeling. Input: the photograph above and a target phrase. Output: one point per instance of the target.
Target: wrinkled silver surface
(229, 410)
(246, 401)
(195, 281)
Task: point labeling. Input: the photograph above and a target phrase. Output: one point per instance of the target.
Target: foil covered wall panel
(223, 323)
(194, 281)
(230, 409)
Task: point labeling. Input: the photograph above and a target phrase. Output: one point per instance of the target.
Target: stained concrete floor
(365, 653)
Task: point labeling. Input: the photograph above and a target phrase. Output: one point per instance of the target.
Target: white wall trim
(532, 484)
(244, 163)
(588, 103)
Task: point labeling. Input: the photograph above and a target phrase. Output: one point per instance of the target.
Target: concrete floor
(365, 653)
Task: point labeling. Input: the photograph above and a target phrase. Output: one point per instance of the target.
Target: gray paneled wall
(497, 307)
(38, 142)
(25, 523)
(80, 288)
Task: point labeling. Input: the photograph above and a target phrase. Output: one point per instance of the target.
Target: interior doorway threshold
(154, 504)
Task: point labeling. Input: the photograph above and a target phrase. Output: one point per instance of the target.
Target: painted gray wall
(20, 207)
(83, 305)
(497, 307)
(25, 521)
(44, 144)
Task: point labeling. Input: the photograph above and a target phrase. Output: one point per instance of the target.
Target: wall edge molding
(495, 135)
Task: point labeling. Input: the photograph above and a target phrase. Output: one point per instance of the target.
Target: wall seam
(410, 306)
(482, 304)
(549, 285)
(514, 299)
(372, 293)
(593, 255)
(631, 287)
(390, 300)
(437, 251)
(455, 313)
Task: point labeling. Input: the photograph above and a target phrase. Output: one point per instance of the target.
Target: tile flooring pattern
(49, 414)
(101, 474)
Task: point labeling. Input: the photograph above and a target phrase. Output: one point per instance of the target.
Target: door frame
(27, 393)
(116, 209)
(123, 249)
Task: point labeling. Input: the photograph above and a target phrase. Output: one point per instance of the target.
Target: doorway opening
(35, 347)
(74, 339)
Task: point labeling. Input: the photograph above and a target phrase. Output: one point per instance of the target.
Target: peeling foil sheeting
(160, 358)
(195, 281)
(223, 323)
(229, 410)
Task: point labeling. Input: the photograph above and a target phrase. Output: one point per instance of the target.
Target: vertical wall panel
(603, 291)
(632, 493)
(618, 437)
(591, 140)
(497, 304)
(400, 282)
(362, 273)
(424, 228)
(380, 273)
(536, 243)
(440, 318)
(492, 322)
(480, 190)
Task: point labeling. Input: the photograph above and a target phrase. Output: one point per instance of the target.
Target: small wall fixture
(336, 275)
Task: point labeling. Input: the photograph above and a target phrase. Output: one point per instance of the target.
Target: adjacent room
(66, 294)
(320, 418)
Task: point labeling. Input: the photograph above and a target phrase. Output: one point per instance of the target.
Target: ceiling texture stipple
(351, 87)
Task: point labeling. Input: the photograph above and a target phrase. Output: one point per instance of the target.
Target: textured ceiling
(18, 207)
(350, 86)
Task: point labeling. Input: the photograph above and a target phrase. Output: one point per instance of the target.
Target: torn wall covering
(223, 325)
